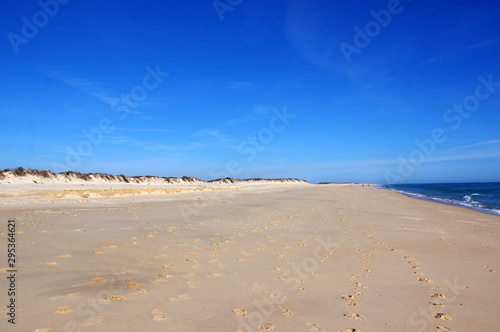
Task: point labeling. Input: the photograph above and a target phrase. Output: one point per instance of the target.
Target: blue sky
(365, 91)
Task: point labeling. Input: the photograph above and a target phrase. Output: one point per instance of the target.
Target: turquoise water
(484, 197)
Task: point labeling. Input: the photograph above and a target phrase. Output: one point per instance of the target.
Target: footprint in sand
(111, 246)
(168, 267)
(436, 304)
(192, 254)
(98, 253)
(65, 256)
(239, 312)
(43, 330)
(425, 280)
(349, 300)
(179, 298)
(440, 315)
(241, 260)
(314, 328)
(437, 296)
(352, 315)
(358, 285)
(136, 286)
(97, 281)
(488, 268)
(158, 315)
(286, 313)
(63, 310)
(115, 298)
(165, 276)
(267, 327)
(215, 275)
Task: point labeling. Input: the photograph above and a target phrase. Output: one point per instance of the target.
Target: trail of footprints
(352, 301)
(435, 298)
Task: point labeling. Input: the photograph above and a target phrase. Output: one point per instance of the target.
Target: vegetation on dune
(70, 175)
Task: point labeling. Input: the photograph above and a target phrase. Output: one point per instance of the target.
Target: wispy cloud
(468, 156)
(213, 134)
(259, 113)
(95, 89)
(475, 145)
(150, 145)
(92, 88)
(456, 52)
(142, 130)
(479, 150)
(239, 85)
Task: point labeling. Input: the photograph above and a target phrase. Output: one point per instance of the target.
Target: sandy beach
(232, 257)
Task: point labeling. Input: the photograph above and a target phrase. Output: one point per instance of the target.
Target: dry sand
(295, 257)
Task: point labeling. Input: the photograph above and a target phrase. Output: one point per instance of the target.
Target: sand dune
(21, 176)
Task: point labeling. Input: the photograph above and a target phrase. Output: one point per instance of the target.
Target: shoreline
(421, 197)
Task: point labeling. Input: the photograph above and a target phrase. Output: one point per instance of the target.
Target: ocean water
(484, 197)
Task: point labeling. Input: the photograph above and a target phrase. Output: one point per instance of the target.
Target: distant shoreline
(447, 200)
